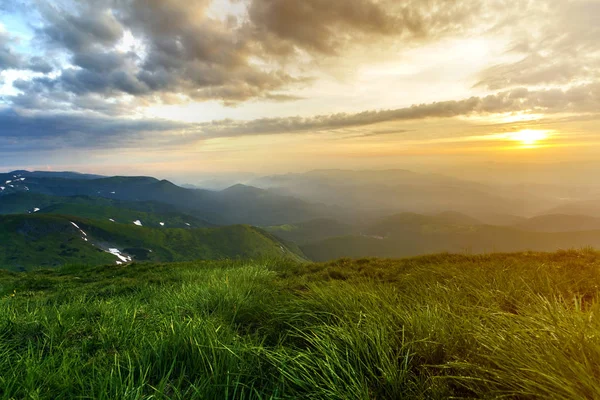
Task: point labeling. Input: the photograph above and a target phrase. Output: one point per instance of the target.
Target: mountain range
(319, 215)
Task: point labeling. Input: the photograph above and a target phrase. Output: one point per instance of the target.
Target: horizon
(270, 87)
(557, 174)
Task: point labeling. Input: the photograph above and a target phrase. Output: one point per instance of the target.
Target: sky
(200, 88)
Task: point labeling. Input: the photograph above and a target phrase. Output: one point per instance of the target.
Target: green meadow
(515, 326)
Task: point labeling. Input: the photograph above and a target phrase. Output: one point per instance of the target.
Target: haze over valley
(320, 215)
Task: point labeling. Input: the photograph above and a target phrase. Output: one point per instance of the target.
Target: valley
(294, 216)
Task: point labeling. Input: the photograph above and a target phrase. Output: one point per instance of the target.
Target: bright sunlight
(529, 137)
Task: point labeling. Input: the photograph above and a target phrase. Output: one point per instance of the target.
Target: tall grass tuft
(463, 326)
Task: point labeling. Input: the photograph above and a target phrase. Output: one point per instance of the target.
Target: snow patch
(117, 252)
(137, 222)
(162, 224)
(7, 182)
(187, 224)
(36, 209)
(111, 220)
(75, 225)
(2, 188)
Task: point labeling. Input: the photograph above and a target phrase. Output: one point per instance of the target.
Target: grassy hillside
(408, 234)
(24, 202)
(126, 215)
(560, 223)
(584, 207)
(313, 230)
(149, 212)
(325, 228)
(399, 224)
(28, 241)
(446, 326)
(34, 240)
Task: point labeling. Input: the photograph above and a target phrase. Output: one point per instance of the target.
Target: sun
(529, 137)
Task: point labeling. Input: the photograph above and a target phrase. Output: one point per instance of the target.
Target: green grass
(312, 231)
(99, 208)
(519, 326)
(27, 241)
(406, 240)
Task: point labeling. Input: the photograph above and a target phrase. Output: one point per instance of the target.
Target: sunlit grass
(515, 326)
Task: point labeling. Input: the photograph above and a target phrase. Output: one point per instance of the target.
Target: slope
(500, 326)
(29, 241)
(413, 234)
(311, 231)
(560, 223)
(150, 213)
(585, 207)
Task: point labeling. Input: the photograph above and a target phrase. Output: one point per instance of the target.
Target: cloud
(321, 25)
(327, 27)
(183, 51)
(91, 26)
(35, 132)
(560, 45)
(578, 99)
(113, 56)
(42, 131)
(9, 59)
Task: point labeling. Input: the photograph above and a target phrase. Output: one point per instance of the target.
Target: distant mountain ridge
(393, 213)
(152, 213)
(238, 204)
(55, 174)
(384, 192)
